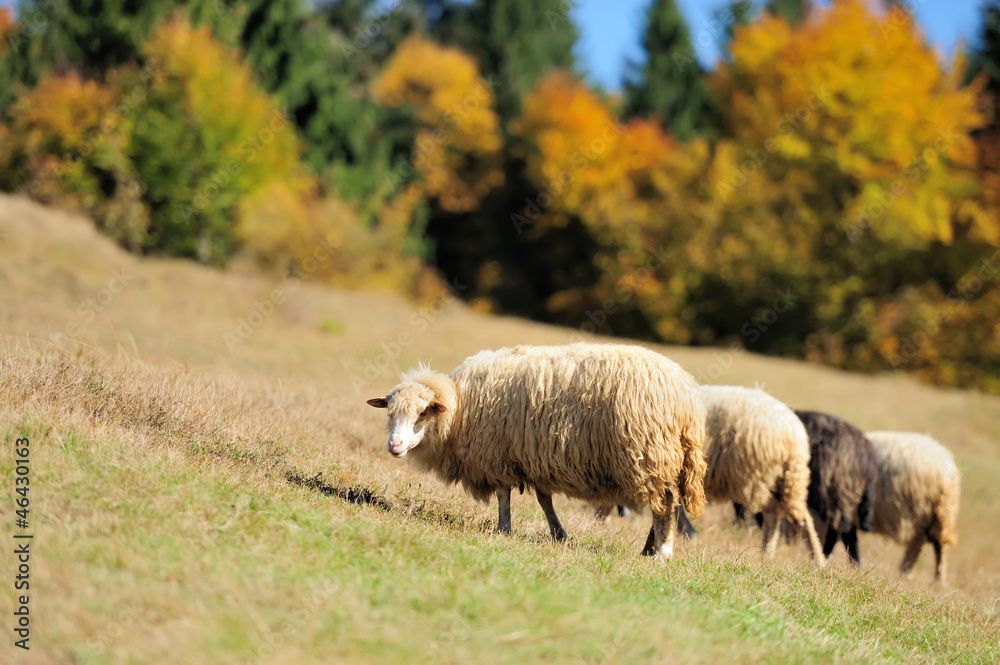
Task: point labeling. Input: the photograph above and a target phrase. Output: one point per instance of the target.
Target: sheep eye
(423, 414)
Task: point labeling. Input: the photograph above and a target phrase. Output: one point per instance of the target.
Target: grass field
(203, 491)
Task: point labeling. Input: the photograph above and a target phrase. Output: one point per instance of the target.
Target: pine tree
(516, 42)
(738, 13)
(93, 36)
(984, 57)
(792, 11)
(671, 83)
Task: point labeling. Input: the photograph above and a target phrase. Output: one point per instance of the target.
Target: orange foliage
(457, 151)
(60, 111)
(860, 97)
(7, 25)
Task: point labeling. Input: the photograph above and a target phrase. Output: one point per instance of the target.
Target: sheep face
(412, 412)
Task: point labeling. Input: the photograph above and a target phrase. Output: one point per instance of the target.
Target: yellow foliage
(323, 237)
(858, 100)
(457, 149)
(57, 114)
(219, 91)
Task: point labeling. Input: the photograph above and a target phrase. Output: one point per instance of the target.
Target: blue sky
(610, 30)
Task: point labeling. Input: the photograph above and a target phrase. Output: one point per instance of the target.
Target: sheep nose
(396, 448)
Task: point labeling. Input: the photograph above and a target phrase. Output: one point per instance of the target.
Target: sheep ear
(438, 407)
(379, 402)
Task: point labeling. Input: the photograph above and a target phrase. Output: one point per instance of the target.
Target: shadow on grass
(357, 495)
(418, 509)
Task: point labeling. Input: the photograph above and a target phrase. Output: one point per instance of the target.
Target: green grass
(196, 505)
(159, 560)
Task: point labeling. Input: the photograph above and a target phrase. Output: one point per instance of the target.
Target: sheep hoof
(560, 535)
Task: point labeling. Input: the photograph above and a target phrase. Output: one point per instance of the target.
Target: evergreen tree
(315, 61)
(318, 65)
(516, 42)
(984, 57)
(792, 11)
(738, 13)
(671, 83)
(92, 36)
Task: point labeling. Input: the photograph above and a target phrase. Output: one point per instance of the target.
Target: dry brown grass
(283, 416)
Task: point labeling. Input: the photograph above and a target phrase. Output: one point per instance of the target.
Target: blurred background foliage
(828, 191)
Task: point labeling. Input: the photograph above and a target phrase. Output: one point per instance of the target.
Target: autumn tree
(8, 75)
(670, 83)
(95, 36)
(457, 150)
(877, 171)
(515, 42)
(792, 11)
(206, 136)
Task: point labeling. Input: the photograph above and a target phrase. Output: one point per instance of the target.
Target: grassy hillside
(199, 499)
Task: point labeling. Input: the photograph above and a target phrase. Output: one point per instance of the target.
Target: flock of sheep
(615, 424)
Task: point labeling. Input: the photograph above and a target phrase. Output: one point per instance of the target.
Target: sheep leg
(603, 510)
(647, 549)
(771, 533)
(850, 540)
(503, 498)
(814, 548)
(660, 542)
(912, 553)
(623, 511)
(830, 541)
(684, 524)
(555, 528)
(940, 564)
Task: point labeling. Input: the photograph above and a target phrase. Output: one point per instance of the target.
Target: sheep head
(415, 410)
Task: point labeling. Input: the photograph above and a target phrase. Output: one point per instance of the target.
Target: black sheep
(843, 473)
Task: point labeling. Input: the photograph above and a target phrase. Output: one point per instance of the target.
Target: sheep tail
(945, 527)
(866, 509)
(794, 489)
(692, 476)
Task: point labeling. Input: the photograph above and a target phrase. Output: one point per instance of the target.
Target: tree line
(831, 161)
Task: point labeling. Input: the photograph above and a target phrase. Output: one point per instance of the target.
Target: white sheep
(917, 495)
(599, 422)
(758, 456)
